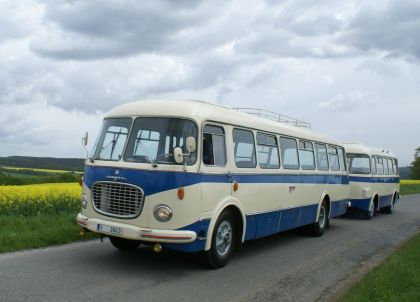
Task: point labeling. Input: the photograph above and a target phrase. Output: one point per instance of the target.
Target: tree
(415, 165)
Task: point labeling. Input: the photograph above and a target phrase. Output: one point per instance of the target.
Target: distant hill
(68, 164)
(404, 172)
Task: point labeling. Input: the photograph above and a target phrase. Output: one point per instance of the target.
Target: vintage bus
(194, 176)
(374, 179)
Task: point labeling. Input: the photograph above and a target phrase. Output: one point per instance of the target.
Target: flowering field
(50, 198)
(410, 182)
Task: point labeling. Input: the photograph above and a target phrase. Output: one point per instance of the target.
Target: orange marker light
(81, 181)
(235, 186)
(181, 193)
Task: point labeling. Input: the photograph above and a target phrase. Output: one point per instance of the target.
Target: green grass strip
(397, 279)
(409, 189)
(19, 232)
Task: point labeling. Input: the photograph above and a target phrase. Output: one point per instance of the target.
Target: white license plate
(109, 229)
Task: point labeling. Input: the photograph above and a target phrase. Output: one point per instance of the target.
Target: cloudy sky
(351, 68)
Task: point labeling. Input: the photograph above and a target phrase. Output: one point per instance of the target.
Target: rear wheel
(389, 209)
(124, 244)
(223, 241)
(317, 229)
(371, 211)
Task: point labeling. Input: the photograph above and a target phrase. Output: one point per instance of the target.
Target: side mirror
(178, 156)
(190, 144)
(85, 139)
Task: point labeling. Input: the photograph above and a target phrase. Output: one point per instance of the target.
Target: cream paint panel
(213, 194)
(361, 190)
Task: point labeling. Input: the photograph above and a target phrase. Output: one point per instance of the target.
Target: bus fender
(223, 204)
(324, 194)
(373, 198)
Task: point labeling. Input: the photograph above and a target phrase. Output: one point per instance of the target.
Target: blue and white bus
(194, 176)
(374, 179)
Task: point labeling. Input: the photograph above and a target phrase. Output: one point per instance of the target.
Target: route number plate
(109, 229)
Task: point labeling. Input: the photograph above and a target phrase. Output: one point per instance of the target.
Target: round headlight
(84, 201)
(162, 213)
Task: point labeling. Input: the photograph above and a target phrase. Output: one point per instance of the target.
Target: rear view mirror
(190, 144)
(178, 156)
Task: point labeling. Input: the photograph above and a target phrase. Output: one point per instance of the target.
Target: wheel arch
(325, 196)
(240, 219)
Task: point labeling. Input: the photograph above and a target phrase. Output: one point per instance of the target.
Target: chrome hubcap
(322, 217)
(224, 238)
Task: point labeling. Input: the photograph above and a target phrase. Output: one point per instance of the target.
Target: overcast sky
(350, 68)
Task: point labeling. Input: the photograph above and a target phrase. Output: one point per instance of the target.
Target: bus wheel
(124, 244)
(222, 241)
(389, 209)
(371, 211)
(317, 229)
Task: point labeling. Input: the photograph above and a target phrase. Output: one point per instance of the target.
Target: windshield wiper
(138, 139)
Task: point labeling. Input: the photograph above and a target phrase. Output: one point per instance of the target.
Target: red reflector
(81, 181)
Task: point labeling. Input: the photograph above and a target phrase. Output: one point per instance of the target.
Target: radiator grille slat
(117, 199)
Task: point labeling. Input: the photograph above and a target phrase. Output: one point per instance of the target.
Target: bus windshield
(111, 140)
(358, 163)
(153, 139)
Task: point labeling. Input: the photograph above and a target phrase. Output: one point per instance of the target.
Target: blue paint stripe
(158, 181)
(374, 179)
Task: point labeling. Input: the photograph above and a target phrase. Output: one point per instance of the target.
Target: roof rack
(277, 117)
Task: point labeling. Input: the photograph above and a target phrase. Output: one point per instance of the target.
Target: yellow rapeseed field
(41, 198)
(410, 182)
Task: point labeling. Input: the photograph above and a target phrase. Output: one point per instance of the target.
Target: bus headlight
(84, 201)
(162, 213)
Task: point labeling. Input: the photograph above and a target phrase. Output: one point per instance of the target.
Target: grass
(409, 186)
(397, 279)
(40, 170)
(17, 232)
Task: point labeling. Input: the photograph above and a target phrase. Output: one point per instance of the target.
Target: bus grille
(117, 199)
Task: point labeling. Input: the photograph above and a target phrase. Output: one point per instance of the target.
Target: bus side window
(391, 168)
(333, 158)
(394, 164)
(386, 171)
(341, 158)
(306, 155)
(244, 148)
(289, 153)
(214, 148)
(321, 157)
(268, 151)
(379, 165)
(373, 162)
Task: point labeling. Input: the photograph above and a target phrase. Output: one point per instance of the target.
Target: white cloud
(331, 63)
(347, 101)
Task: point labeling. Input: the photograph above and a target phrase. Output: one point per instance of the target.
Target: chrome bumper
(134, 232)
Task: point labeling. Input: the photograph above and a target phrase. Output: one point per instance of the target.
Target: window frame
(277, 145)
(332, 147)
(235, 147)
(316, 157)
(225, 143)
(297, 152)
(307, 150)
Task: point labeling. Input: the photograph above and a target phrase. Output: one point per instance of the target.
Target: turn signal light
(235, 186)
(81, 181)
(181, 193)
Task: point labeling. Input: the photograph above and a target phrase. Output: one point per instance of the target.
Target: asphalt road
(288, 267)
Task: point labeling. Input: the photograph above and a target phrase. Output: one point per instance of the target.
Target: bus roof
(360, 148)
(201, 111)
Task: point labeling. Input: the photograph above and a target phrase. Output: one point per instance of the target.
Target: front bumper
(127, 231)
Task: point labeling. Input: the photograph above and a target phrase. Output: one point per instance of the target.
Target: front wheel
(317, 229)
(124, 244)
(222, 242)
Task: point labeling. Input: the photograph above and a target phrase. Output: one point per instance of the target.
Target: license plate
(109, 229)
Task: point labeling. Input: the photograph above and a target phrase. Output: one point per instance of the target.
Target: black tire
(389, 209)
(370, 213)
(223, 241)
(124, 244)
(316, 229)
